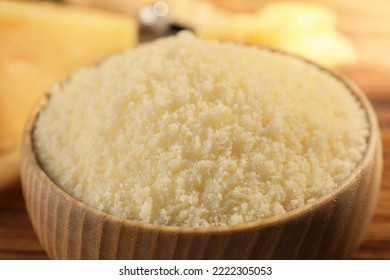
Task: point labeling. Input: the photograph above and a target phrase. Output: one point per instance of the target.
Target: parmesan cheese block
(41, 43)
(192, 132)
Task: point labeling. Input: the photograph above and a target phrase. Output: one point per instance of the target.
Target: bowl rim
(373, 138)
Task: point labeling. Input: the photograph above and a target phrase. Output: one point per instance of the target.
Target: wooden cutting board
(367, 23)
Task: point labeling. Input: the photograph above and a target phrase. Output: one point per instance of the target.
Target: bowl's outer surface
(331, 228)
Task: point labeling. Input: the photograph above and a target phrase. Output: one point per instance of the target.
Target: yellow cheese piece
(306, 29)
(41, 43)
(303, 28)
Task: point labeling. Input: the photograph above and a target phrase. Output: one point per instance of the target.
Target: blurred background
(41, 42)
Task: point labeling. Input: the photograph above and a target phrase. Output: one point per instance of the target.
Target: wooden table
(367, 23)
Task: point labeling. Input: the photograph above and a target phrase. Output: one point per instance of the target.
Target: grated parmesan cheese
(187, 132)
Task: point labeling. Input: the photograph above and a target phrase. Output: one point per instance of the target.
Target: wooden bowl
(330, 228)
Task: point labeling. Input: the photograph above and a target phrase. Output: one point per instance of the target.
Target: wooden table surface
(367, 23)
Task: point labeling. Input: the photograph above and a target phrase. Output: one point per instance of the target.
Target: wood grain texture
(330, 228)
(366, 23)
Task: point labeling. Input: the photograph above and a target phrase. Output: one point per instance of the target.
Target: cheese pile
(191, 132)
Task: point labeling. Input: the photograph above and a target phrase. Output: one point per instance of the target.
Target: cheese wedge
(41, 43)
